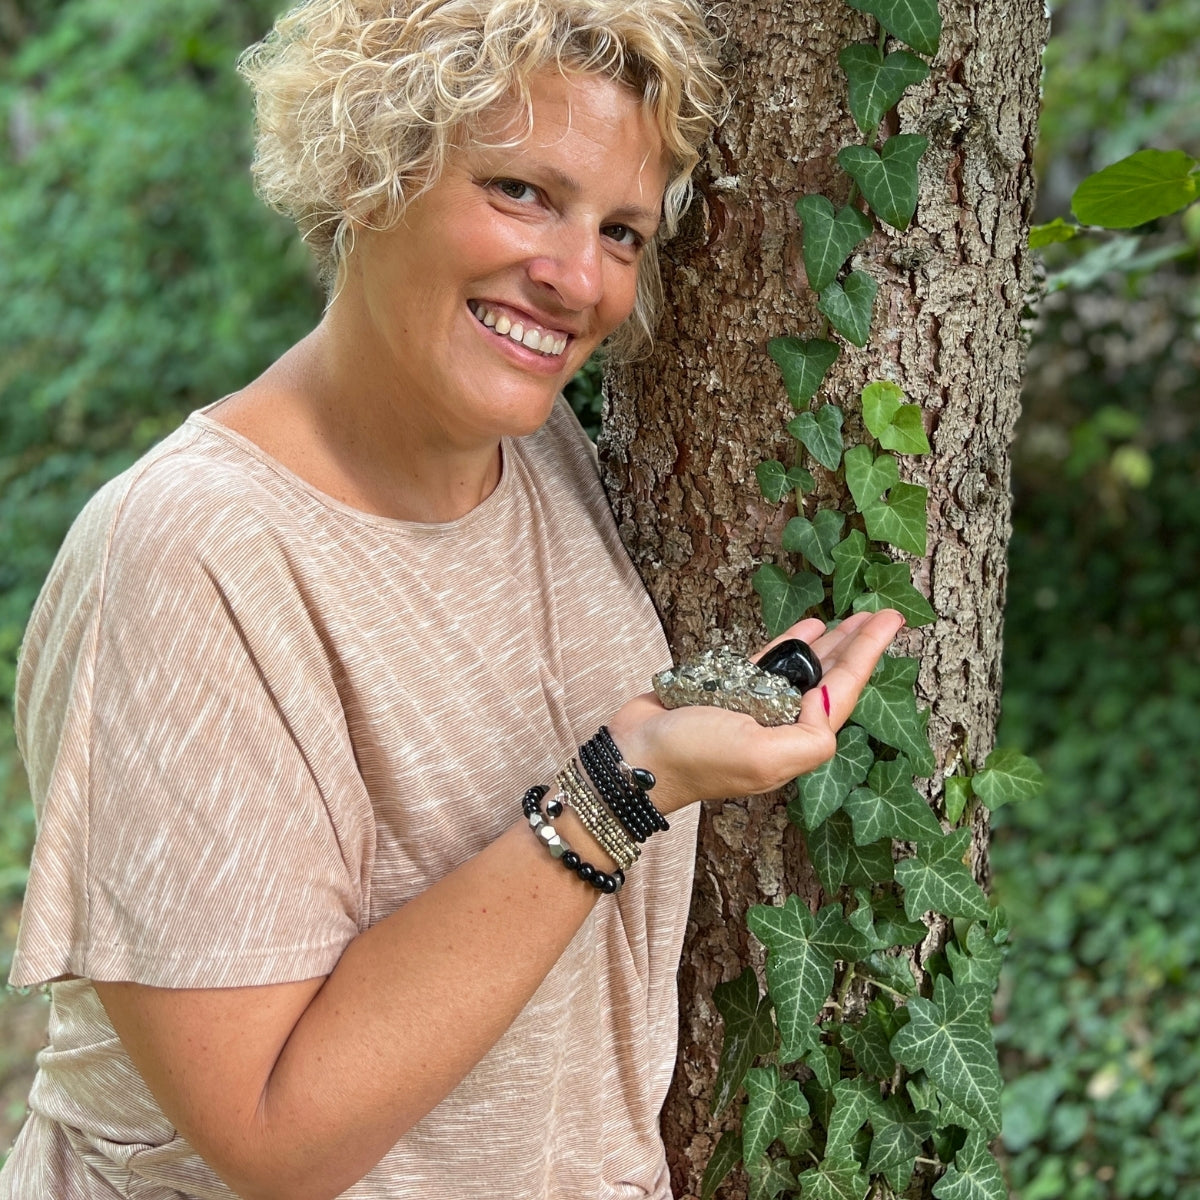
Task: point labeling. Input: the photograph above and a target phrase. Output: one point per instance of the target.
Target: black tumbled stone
(796, 661)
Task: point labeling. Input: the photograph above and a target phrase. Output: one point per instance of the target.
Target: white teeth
(543, 343)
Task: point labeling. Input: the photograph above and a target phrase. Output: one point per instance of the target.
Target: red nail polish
(825, 699)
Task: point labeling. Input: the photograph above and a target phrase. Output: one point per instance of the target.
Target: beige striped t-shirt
(256, 721)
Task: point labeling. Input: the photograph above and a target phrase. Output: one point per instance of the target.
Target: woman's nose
(573, 266)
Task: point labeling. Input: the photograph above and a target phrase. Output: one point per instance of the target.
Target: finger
(807, 630)
(855, 659)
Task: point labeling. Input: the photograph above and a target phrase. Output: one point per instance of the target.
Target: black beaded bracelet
(559, 848)
(609, 788)
(637, 780)
(621, 792)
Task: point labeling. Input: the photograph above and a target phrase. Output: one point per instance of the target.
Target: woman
(293, 673)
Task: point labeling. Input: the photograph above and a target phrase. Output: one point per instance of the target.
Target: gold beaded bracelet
(608, 832)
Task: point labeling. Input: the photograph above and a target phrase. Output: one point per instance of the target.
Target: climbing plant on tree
(868, 1065)
(911, 1074)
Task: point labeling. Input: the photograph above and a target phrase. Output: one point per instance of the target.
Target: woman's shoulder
(192, 490)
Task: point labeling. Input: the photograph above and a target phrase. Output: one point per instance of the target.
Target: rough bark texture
(685, 429)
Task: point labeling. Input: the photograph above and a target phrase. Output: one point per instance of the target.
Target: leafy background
(142, 279)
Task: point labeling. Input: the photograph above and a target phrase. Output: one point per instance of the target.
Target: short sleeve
(201, 822)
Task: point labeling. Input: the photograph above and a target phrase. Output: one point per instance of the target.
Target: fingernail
(825, 699)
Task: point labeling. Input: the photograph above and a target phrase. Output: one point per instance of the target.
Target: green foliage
(829, 238)
(875, 83)
(848, 306)
(803, 363)
(1101, 1018)
(888, 179)
(1138, 189)
(142, 277)
(917, 23)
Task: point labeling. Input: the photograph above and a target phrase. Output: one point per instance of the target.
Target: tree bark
(685, 428)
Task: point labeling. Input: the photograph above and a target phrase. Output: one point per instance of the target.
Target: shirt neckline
(485, 510)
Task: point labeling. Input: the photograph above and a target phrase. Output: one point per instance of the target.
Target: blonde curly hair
(358, 102)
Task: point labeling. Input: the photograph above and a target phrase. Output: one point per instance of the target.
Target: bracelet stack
(612, 804)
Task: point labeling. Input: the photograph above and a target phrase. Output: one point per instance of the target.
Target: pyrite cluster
(725, 679)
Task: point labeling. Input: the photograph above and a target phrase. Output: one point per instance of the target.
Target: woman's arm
(297, 1090)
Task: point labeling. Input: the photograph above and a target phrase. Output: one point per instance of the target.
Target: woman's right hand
(703, 752)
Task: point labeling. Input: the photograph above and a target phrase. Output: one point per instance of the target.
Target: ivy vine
(841, 1098)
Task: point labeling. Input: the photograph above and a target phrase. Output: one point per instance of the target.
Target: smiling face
(506, 275)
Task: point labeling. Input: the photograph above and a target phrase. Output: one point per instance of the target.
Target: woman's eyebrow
(626, 212)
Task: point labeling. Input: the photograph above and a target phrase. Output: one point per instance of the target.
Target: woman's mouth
(527, 334)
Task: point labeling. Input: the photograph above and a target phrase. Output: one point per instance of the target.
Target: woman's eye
(514, 189)
(624, 235)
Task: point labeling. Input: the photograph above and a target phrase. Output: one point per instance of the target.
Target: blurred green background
(142, 279)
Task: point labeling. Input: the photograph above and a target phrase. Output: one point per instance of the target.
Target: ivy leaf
(891, 587)
(853, 1100)
(899, 1136)
(890, 807)
(956, 791)
(896, 425)
(849, 305)
(825, 1063)
(868, 476)
(820, 793)
(890, 180)
(749, 1032)
(803, 364)
(775, 480)
(880, 403)
(887, 710)
(950, 1038)
(1054, 231)
(867, 1040)
(835, 1180)
(974, 1174)
(801, 952)
(901, 519)
(906, 433)
(821, 434)
(851, 559)
(877, 83)
(917, 23)
(769, 1177)
(1007, 776)
(785, 598)
(982, 960)
(1139, 188)
(816, 538)
(892, 970)
(763, 1118)
(868, 865)
(829, 238)
(725, 1157)
(829, 850)
(892, 928)
(938, 880)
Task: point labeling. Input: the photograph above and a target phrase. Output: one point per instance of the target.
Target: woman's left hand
(705, 753)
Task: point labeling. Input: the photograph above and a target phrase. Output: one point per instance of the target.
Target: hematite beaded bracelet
(559, 847)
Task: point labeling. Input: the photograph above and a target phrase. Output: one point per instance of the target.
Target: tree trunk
(685, 428)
